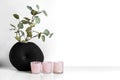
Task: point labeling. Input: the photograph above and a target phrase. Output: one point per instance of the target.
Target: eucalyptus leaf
(12, 29)
(38, 7)
(29, 32)
(24, 21)
(39, 35)
(22, 33)
(26, 18)
(43, 38)
(13, 25)
(29, 7)
(16, 16)
(20, 25)
(51, 35)
(37, 19)
(34, 12)
(44, 12)
(17, 38)
(23, 41)
(46, 32)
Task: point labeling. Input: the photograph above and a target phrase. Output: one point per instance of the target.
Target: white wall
(86, 32)
(7, 37)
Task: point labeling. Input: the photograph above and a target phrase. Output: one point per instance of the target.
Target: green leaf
(29, 32)
(46, 32)
(24, 21)
(12, 25)
(20, 25)
(17, 38)
(12, 29)
(43, 38)
(32, 25)
(26, 18)
(16, 16)
(34, 12)
(23, 41)
(29, 7)
(39, 35)
(37, 6)
(51, 35)
(22, 33)
(44, 12)
(37, 19)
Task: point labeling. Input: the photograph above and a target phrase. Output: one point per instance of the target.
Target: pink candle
(47, 67)
(58, 67)
(36, 67)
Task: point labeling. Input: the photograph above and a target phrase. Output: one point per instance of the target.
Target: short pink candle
(36, 67)
(58, 67)
(47, 67)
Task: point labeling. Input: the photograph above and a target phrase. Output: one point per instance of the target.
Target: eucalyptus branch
(24, 34)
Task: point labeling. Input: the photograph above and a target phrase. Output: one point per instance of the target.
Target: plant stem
(32, 37)
(26, 39)
(32, 20)
(19, 35)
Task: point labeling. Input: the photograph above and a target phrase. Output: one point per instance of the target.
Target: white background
(86, 32)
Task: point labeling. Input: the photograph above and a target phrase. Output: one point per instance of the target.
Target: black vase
(21, 54)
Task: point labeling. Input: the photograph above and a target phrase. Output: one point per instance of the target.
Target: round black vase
(21, 54)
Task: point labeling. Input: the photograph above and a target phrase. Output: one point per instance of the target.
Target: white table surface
(70, 73)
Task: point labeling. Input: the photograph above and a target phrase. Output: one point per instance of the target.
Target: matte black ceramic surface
(21, 54)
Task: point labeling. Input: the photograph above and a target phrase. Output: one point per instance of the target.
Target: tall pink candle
(36, 67)
(58, 67)
(47, 67)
